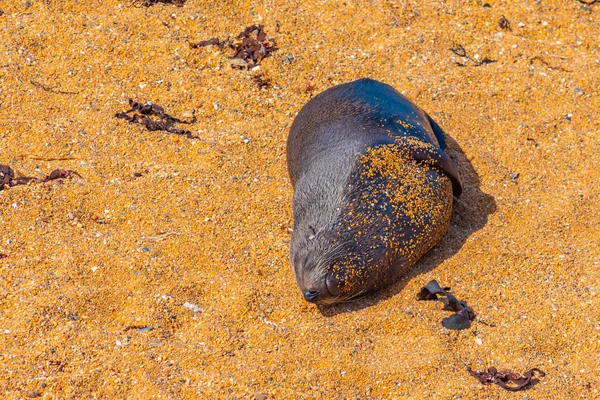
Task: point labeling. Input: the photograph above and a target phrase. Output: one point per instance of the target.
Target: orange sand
(208, 222)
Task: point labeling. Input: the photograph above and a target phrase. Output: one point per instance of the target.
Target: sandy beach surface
(163, 272)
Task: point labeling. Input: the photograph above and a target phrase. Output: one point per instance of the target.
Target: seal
(373, 189)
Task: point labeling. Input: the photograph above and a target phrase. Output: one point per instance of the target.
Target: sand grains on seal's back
(410, 216)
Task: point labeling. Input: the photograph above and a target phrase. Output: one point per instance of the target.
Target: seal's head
(349, 240)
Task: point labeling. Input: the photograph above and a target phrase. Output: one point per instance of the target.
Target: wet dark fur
(326, 139)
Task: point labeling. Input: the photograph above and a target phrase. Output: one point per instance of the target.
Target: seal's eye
(333, 285)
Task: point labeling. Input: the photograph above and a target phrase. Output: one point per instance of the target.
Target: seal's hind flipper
(439, 133)
(437, 157)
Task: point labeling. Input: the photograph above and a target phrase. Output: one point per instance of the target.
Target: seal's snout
(311, 295)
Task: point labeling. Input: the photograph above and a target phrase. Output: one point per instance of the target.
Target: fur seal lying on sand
(373, 189)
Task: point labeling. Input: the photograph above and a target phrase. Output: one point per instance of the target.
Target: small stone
(245, 139)
(188, 115)
(260, 396)
(146, 329)
(514, 176)
(478, 341)
(27, 4)
(288, 58)
(238, 63)
(70, 215)
(192, 307)
(578, 91)
(32, 393)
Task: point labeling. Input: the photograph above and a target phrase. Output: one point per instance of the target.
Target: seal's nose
(310, 295)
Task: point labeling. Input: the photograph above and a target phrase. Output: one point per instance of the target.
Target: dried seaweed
(310, 88)
(139, 328)
(209, 42)
(504, 23)
(163, 123)
(261, 81)
(249, 51)
(544, 62)
(463, 315)
(252, 50)
(8, 179)
(506, 379)
(3, 256)
(589, 3)
(51, 90)
(460, 51)
(149, 3)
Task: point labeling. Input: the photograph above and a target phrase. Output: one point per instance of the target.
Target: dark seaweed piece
(3, 256)
(429, 291)
(504, 23)
(204, 43)
(460, 51)
(60, 174)
(51, 90)
(249, 51)
(310, 88)
(589, 3)
(148, 3)
(452, 304)
(23, 180)
(544, 62)
(261, 81)
(139, 328)
(463, 313)
(164, 122)
(252, 50)
(506, 379)
(7, 177)
(251, 29)
(459, 320)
